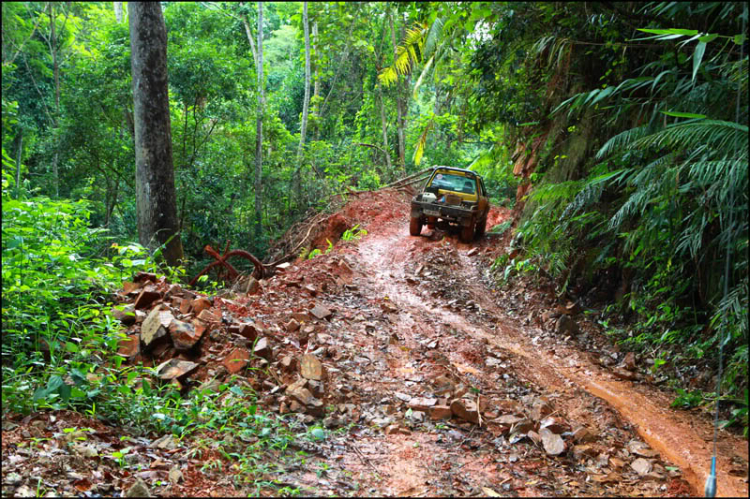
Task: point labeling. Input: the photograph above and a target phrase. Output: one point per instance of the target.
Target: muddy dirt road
(552, 421)
(436, 383)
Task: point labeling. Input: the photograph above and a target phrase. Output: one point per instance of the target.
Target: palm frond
(419, 150)
(407, 54)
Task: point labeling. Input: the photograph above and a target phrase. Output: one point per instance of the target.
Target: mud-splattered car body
(453, 196)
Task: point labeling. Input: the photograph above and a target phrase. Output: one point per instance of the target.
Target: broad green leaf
(739, 39)
(672, 31)
(708, 38)
(700, 49)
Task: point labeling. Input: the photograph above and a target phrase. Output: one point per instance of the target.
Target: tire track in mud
(560, 369)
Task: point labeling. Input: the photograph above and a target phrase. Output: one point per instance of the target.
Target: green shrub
(55, 288)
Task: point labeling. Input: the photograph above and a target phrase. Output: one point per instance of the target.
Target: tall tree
(155, 192)
(305, 105)
(401, 119)
(118, 11)
(316, 88)
(259, 124)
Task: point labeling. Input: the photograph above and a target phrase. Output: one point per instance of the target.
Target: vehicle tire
(415, 226)
(481, 227)
(467, 233)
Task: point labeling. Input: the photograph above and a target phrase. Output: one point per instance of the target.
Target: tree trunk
(118, 11)
(19, 155)
(249, 33)
(316, 88)
(53, 44)
(155, 191)
(258, 125)
(384, 124)
(305, 106)
(399, 105)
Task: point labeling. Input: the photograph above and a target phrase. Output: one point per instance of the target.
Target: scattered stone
(566, 325)
(184, 335)
(138, 489)
(629, 361)
(440, 412)
(582, 435)
(508, 420)
(465, 410)
(315, 407)
(641, 466)
(167, 442)
(299, 392)
(422, 404)
(287, 363)
(301, 317)
(126, 315)
(321, 312)
(641, 449)
(142, 277)
(237, 360)
(175, 369)
(541, 408)
(186, 306)
(200, 304)
(248, 330)
(128, 347)
(251, 287)
(555, 425)
(522, 426)
(391, 429)
(24, 491)
(131, 287)
(262, 349)
(152, 329)
(12, 479)
(417, 416)
(317, 388)
(311, 368)
(208, 316)
(583, 451)
(534, 437)
(140, 316)
(553, 444)
(210, 385)
(175, 475)
(291, 326)
(622, 373)
(146, 299)
(85, 450)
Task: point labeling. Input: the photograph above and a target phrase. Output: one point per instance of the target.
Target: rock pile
(196, 340)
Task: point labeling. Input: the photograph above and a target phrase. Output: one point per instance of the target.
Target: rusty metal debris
(228, 272)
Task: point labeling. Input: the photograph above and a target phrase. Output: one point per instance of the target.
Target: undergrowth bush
(56, 284)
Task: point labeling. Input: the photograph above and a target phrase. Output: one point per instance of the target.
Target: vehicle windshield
(454, 183)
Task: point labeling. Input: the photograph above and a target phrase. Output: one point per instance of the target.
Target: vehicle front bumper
(450, 213)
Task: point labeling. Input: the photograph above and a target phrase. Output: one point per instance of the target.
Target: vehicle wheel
(481, 227)
(415, 226)
(467, 233)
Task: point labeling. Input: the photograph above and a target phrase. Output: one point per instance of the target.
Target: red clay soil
(438, 383)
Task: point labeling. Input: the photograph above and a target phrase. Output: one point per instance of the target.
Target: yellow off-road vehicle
(451, 196)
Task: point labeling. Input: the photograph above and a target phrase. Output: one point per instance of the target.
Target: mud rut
(414, 329)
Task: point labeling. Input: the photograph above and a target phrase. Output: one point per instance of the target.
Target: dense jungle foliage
(618, 132)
